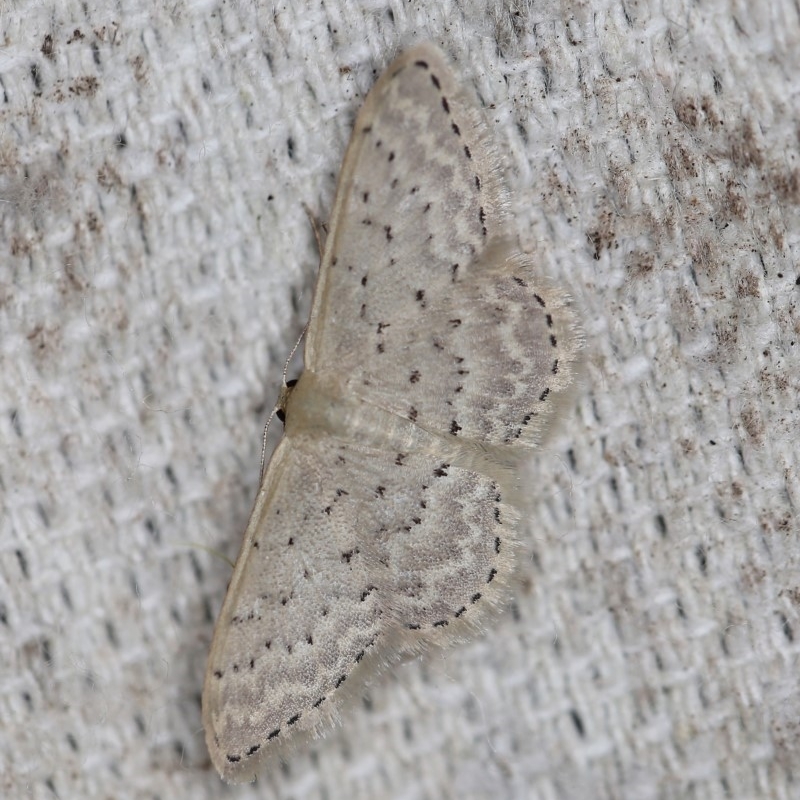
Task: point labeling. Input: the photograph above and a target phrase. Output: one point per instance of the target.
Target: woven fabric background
(156, 267)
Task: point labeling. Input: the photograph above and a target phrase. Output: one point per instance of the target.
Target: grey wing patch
(300, 616)
(354, 554)
(447, 540)
(488, 363)
(423, 307)
(419, 198)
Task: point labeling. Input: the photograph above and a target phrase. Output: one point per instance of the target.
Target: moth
(387, 518)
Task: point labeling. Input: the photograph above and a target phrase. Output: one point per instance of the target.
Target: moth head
(283, 399)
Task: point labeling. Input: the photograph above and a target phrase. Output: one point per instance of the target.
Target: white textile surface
(156, 267)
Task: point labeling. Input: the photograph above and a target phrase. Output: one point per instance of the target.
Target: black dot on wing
(445, 105)
(254, 749)
(435, 82)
